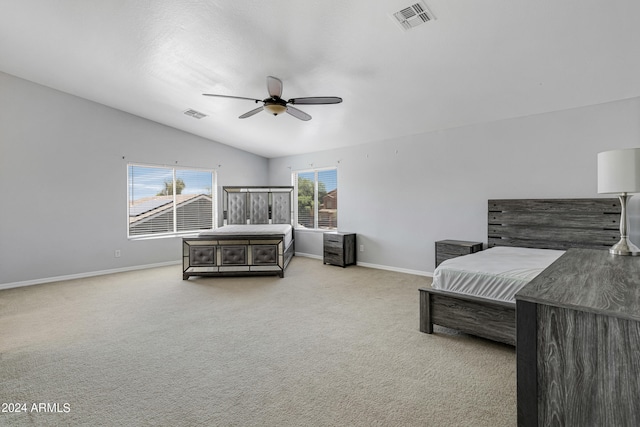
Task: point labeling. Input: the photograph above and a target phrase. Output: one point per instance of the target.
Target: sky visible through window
(328, 178)
(149, 181)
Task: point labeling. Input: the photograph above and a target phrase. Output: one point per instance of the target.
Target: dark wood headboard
(554, 223)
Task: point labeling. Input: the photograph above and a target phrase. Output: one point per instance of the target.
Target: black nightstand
(446, 249)
(339, 248)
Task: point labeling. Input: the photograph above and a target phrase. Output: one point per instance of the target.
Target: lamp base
(624, 247)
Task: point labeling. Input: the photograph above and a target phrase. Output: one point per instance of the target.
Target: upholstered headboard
(258, 205)
(554, 223)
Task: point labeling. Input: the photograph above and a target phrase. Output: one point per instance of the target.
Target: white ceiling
(479, 61)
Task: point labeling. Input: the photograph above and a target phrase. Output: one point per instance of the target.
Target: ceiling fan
(275, 105)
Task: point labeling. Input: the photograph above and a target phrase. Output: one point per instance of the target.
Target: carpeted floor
(325, 346)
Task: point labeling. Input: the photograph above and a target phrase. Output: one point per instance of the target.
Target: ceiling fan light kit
(276, 105)
(275, 108)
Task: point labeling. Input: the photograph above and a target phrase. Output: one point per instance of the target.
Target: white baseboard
(378, 266)
(164, 264)
(84, 275)
(396, 269)
(309, 255)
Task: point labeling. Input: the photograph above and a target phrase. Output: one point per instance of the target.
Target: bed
(472, 294)
(257, 237)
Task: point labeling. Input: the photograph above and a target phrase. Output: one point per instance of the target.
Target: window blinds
(166, 200)
(317, 198)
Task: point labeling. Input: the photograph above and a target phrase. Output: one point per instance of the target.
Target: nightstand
(339, 248)
(446, 249)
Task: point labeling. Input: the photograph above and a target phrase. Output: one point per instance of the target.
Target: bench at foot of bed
(235, 256)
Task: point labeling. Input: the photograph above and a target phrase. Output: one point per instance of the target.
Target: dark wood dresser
(578, 342)
(339, 248)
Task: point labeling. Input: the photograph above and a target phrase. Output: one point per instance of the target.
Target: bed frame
(244, 254)
(530, 223)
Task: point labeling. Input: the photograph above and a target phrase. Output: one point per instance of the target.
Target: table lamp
(619, 172)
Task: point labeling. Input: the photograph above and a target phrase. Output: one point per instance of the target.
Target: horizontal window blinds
(328, 199)
(317, 198)
(306, 199)
(195, 209)
(166, 200)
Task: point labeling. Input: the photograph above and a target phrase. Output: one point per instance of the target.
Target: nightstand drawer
(447, 249)
(335, 259)
(333, 245)
(333, 238)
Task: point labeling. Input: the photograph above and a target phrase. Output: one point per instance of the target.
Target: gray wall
(402, 195)
(64, 182)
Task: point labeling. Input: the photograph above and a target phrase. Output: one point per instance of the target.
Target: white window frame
(294, 182)
(175, 232)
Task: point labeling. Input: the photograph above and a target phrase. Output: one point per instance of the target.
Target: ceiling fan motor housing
(275, 106)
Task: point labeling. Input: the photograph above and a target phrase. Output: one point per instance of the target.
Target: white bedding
(241, 229)
(496, 273)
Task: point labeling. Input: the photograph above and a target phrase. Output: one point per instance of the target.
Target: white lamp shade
(619, 171)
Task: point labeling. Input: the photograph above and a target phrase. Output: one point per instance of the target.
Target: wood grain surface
(490, 319)
(587, 335)
(526, 358)
(554, 223)
(447, 249)
(589, 280)
(339, 248)
(588, 369)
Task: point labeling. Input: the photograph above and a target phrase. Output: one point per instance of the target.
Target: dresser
(578, 342)
(339, 248)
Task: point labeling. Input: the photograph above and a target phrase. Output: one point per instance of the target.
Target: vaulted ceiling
(477, 61)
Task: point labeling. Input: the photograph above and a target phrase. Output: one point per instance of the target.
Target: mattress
(496, 273)
(252, 229)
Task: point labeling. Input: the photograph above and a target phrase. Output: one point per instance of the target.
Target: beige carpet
(325, 346)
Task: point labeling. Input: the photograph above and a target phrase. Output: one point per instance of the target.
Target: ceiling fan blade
(251, 113)
(298, 114)
(274, 86)
(316, 100)
(234, 97)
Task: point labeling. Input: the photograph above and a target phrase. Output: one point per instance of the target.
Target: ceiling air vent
(195, 114)
(414, 15)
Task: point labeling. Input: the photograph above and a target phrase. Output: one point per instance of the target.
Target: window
(155, 209)
(317, 198)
